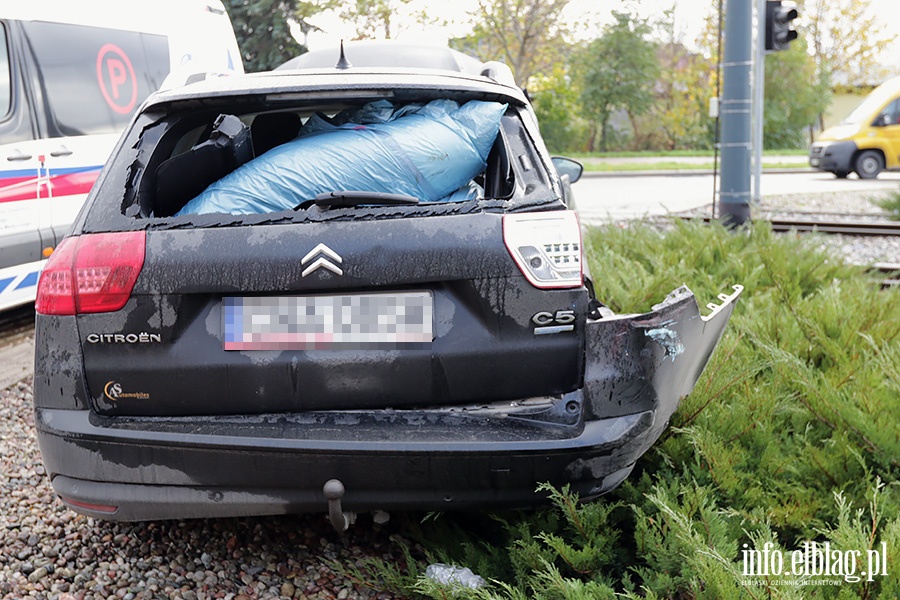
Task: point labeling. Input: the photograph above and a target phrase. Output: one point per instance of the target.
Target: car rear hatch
(211, 327)
(317, 307)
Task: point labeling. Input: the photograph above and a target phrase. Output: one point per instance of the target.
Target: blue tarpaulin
(427, 151)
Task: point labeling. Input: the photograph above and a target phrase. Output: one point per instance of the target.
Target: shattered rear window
(427, 152)
(237, 161)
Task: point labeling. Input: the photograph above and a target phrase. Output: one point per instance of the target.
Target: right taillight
(91, 273)
(546, 247)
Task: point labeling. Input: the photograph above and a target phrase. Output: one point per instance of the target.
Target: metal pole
(759, 87)
(734, 192)
(717, 135)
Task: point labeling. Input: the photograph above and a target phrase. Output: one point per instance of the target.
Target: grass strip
(676, 166)
(679, 153)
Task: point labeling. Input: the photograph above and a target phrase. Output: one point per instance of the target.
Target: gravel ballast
(856, 206)
(49, 552)
(837, 206)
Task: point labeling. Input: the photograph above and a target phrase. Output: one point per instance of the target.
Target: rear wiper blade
(349, 199)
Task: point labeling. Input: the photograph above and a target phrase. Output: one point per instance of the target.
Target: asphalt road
(601, 199)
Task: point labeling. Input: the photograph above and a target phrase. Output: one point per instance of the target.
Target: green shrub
(790, 436)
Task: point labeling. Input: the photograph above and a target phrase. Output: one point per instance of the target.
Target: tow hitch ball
(334, 491)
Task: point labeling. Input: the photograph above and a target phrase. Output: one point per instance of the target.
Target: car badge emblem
(327, 259)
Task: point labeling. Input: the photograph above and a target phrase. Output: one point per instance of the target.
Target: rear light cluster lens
(546, 247)
(101, 508)
(91, 273)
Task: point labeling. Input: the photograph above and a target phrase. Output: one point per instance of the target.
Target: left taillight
(91, 273)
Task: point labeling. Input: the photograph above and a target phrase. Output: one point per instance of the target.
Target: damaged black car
(343, 289)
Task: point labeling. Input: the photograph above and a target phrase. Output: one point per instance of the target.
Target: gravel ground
(850, 206)
(52, 553)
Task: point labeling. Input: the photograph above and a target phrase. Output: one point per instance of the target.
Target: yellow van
(867, 141)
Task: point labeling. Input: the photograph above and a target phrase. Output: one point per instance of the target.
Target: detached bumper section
(645, 364)
(638, 367)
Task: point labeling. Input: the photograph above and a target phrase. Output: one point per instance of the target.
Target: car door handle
(61, 151)
(18, 155)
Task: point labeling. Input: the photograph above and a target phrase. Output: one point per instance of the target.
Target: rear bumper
(191, 475)
(638, 367)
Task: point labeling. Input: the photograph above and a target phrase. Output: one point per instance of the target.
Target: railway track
(890, 273)
(870, 227)
(883, 228)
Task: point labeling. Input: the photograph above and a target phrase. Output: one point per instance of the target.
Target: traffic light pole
(734, 190)
(759, 86)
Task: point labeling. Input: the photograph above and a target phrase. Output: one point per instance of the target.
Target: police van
(71, 76)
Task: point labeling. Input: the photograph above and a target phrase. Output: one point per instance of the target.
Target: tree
(685, 85)
(263, 32)
(617, 72)
(557, 104)
(681, 110)
(796, 94)
(528, 35)
(373, 18)
(846, 38)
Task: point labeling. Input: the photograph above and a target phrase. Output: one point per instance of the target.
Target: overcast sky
(590, 15)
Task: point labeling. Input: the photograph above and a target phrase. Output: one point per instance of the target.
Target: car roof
(373, 65)
(386, 53)
(357, 81)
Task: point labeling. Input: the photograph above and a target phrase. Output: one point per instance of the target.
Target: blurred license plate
(327, 322)
(814, 162)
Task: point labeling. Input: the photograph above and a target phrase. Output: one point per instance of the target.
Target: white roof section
(159, 16)
(199, 31)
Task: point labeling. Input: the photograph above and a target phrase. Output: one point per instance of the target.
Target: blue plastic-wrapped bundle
(428, 151)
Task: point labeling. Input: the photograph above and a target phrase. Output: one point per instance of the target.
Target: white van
(71, 76)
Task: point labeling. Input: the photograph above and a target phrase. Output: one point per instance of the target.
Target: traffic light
(779, 15)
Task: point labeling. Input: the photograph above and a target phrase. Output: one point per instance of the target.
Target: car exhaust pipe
(334, 491)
